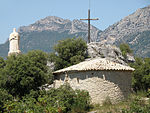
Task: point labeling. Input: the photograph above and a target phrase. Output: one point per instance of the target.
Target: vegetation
(141, 75)
(21, 77)
(125, 49)
(24, 72)
(136, 103)
(2, 63)
(68, 52)
(61, 100)
(137, 106)
(4, 97)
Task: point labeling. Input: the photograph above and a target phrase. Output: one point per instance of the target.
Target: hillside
(133, 29)
(44, 33)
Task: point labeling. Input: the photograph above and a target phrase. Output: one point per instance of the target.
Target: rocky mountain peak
(57, 24)
(53, 19)
(133, 30)
(50, 23)
(136, 22)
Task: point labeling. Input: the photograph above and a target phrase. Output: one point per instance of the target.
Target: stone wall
(114, 85)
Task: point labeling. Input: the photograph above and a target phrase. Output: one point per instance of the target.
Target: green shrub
(61, 100)
(137, 106)
(81, 101)
(125, 49)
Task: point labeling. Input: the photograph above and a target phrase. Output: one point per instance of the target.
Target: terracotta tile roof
(95, 64)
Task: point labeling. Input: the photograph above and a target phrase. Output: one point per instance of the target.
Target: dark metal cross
(89, 19)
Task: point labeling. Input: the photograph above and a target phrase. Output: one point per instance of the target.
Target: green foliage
(81, 101)
(2, 63)
(148, 93)
(61, 100)
(25, 72)
(68, 52)
(125, 49)
(141, 75)
(20, 78)
(137, 106)
(4, 97)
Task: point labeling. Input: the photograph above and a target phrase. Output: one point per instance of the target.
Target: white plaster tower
(14, 39)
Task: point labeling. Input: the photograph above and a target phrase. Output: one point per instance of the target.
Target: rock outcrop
(111, 52)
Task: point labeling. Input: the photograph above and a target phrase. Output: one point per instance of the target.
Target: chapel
(102, 78)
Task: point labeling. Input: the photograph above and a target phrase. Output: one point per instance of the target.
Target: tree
(2, 63)
(141, 75)
(68, 52)
(25, 72)
(4, 97)
(125, 49)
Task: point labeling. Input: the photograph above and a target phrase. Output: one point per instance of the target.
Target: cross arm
(95, 19)
(84, 19)
(90, 19)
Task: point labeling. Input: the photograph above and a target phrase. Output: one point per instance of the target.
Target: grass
(110, 108)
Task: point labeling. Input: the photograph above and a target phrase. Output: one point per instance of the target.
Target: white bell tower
(14, 39)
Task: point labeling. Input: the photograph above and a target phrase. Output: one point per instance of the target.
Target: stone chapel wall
(100, 84)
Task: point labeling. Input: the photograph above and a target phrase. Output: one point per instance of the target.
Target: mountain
(133, 29)
(44, 33)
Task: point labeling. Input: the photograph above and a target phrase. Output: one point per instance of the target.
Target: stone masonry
(100, 84)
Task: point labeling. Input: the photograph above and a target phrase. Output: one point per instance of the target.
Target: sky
(16, 13)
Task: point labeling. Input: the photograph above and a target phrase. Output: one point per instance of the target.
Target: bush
(81, 102)
(61, 100)
(125, 49)
(137, 106)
